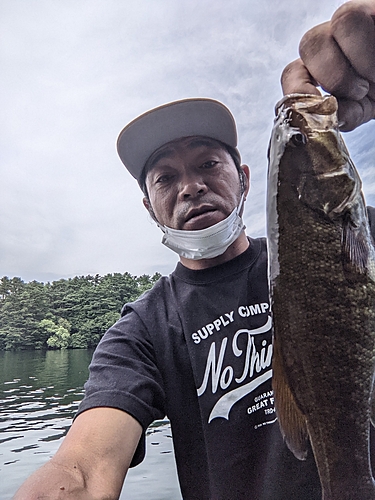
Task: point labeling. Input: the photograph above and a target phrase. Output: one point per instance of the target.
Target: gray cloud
(75, 72)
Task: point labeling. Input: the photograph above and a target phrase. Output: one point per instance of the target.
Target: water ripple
(39, 395)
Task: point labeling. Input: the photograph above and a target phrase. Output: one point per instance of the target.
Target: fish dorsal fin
(291, 420)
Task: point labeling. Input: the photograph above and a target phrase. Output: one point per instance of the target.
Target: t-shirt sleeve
(123, 374)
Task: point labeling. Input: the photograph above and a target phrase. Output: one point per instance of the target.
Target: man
(198, 346)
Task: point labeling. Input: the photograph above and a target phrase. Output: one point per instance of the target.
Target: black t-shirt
(197, 348)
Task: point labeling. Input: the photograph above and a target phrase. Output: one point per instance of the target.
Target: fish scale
(321, 268)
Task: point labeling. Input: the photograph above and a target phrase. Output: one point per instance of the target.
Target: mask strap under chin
(241, 203)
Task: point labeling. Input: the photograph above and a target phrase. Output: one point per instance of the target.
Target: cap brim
(185, 118)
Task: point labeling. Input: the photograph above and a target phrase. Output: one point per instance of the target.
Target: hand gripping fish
(322, 272)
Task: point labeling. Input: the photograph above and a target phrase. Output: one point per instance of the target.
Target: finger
(328, 65)
(296, 79)
(371, 92)
(351, 114)
(353, 29)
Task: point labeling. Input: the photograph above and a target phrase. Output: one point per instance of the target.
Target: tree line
(68, 313)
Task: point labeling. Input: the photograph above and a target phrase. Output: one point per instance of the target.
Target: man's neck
(236, 248)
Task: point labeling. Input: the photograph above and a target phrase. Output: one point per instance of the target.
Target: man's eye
(209, 164)
(163, 179)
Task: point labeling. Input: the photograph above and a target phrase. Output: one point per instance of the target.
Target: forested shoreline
(68, 313)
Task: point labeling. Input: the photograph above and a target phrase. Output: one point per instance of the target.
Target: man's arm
(91, 462)
(340, 57)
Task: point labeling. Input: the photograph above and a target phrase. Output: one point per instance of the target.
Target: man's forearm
(56, 481)
(91, 462)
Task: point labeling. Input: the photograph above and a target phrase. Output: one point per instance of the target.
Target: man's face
(192, 183)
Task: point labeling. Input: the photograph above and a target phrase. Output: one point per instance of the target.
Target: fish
(322, 294)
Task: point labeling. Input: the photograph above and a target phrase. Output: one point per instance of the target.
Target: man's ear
(146, 203)
(245, 179)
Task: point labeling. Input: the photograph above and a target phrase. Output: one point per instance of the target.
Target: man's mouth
(199, 218)
(197, 212)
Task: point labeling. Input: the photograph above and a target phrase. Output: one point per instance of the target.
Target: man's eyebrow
(165, 153)
(169, 151)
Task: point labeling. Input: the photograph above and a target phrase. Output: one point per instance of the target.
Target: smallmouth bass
(322, 285)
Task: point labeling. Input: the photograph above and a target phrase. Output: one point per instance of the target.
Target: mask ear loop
(243, 180)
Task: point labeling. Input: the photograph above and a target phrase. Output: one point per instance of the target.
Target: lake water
(39, 394)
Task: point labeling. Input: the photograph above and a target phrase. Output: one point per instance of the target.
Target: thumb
(296, 79)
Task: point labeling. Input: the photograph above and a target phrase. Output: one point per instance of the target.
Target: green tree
(60, 339)
(59, 336)
(65, 313)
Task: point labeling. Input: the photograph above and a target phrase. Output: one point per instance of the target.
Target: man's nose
(192, 186)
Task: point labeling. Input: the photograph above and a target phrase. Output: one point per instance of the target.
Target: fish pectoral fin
(291, 420)
(355, 248)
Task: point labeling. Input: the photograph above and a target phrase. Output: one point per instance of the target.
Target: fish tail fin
(291, 420)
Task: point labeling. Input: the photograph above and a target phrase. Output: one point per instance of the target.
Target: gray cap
(174, 120)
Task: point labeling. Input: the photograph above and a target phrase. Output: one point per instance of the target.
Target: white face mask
(205, 243)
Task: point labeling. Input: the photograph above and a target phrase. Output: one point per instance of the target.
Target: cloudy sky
(74, 72)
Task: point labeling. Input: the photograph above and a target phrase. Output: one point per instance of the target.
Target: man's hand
(339, 56)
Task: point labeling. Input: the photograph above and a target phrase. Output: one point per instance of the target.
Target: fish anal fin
(291, 420)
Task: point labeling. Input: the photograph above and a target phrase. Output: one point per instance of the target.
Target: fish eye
(299, 139)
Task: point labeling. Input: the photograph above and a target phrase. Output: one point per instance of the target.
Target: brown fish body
(322, 271)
